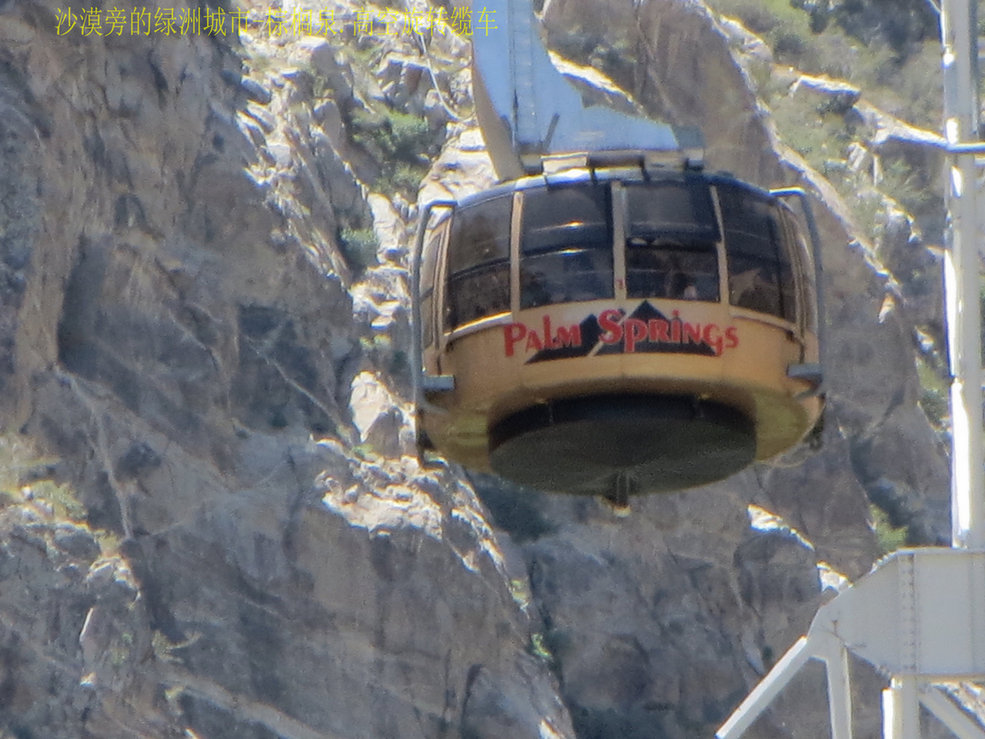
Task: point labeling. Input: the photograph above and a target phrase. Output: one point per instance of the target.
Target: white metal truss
(918, 617)
(529, 112)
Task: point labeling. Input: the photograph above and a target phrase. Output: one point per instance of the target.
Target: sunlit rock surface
(213, 523)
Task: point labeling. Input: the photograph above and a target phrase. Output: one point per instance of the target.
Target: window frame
(784, 244)
(586, 247)
(804, 274)
(788, 241)
(450, 323)
(707, 241)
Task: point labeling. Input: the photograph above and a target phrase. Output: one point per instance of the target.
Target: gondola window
(671, 237)
(566, 246)
(479, 262)
(759, 263)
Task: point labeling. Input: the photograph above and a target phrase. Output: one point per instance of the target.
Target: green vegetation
(399, 365)
(379, 348)
(520, 593)
(911, 187)
(61, 498)
(22, 472)
(538, 648)
(376, 343)
(819, 137)
(784, 27)
(400, 142)
(359, 247)
(890, 537)
(893, 61)
(936, 394)
(164, 648)
(31, 480)
(366, 452)
(890, 51)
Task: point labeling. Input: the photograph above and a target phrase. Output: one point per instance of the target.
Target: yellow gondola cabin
(614, 331)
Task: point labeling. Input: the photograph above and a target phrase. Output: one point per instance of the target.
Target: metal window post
(961, 272)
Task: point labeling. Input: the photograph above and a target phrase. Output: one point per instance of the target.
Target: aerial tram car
(611, 319)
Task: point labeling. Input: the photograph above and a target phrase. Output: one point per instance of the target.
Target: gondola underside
(619, 445)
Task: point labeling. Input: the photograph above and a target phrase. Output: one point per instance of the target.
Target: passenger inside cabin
(671, 270)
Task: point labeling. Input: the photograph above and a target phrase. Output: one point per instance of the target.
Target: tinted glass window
(804, 266)
(429, 266)
(565, 276)
(671, 270)
(759, 264)
(429, 258)
(672, 209)
(479, 292)
(427, 319)
(566, 217)
(478, 261)
(566, 246)
(671, 241)
(480, 233)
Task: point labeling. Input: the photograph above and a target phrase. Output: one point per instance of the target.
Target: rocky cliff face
(212, 524)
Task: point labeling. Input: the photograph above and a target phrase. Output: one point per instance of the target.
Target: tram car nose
(616, 334)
